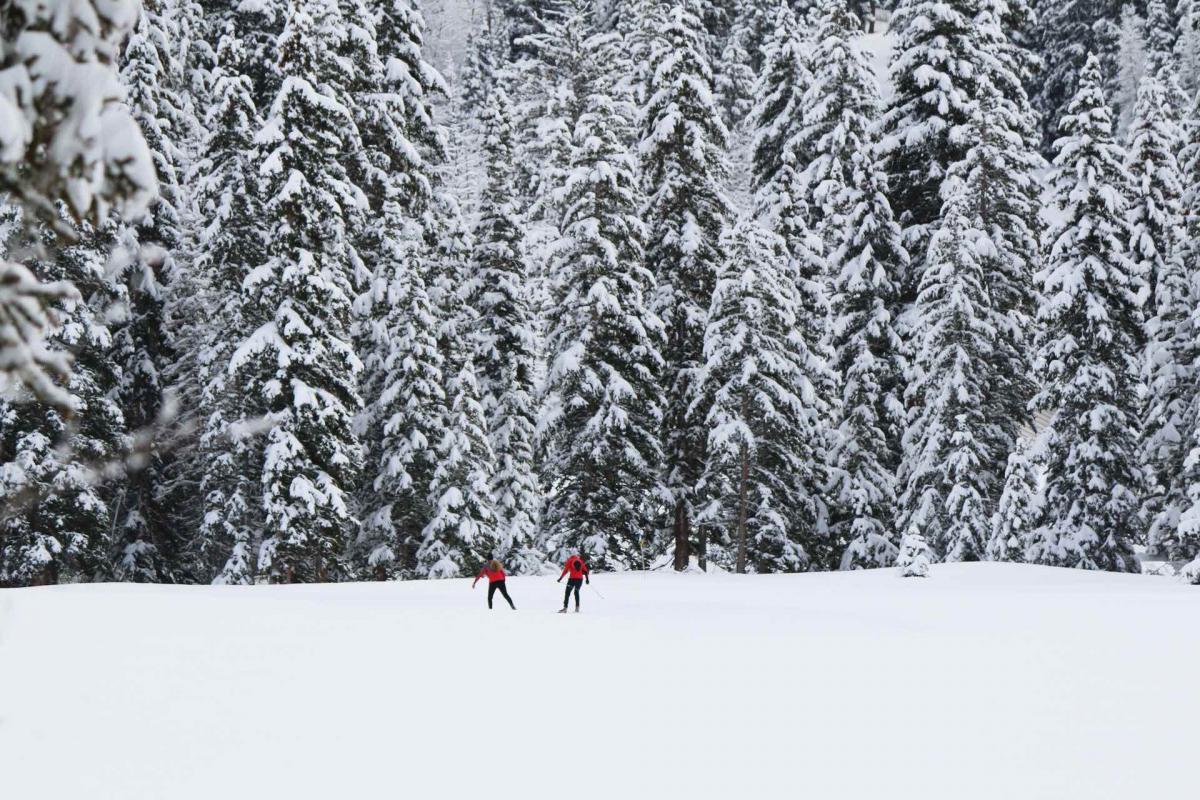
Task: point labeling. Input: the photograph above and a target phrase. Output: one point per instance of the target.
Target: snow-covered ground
(983, 681)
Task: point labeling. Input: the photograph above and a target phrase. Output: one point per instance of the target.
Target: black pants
(572, 583)
(498, 586)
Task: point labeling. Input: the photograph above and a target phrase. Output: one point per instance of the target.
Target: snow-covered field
(983, 681)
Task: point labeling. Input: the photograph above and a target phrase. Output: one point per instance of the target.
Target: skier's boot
(576, 609)
(562, 610)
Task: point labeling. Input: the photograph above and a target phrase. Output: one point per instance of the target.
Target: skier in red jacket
(579, 573)
(494, 572)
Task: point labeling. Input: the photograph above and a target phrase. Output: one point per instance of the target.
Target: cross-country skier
(494, 572)
(579, 573)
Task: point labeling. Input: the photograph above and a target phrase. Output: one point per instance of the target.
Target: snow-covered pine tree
(1162, 30)
(868, 259)
(947, 456)
(734, 74)
(403, 378)
(941, 58)
(683, 168)
(300, 363)
(506, 342)
(150, 543)
(98, 163)
(404, 417)
(915, 556)
(763, 478)
(1089, 349)
(1001, 173)
(603, 405)
(461, 534)
(229, 241)
(56, 523)
(840, 107)
(1174, 531)
(1187, 48)
(1154, 215)
(1065, 34)
(868, 361)
(1016, 514)
(778, 113)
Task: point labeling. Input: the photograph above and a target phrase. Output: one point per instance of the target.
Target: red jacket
(576, 567)
(493, 576)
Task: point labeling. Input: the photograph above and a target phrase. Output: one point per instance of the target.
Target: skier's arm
(477, 577)
(566, 569)
(587, 574)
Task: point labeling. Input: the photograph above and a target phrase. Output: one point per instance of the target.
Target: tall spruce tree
(144, 268)
(683, 167)
(300, 364)
(1154, 214)
(506, 343)
(1017, 512)
(941, 60)
(763, 474)
(1001, 173)
(397, 329)
(1089, 348)
(946, 445)
(839, 108)
(1065, 34)
(603, 404)
(230, 241)
(867, 259)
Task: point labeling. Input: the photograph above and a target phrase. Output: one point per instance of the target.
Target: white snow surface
(981, 681)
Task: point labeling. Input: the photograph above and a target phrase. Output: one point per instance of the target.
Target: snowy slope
(984, 681)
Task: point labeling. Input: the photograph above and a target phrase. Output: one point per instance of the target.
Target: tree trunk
(743, 488)
(682, 534)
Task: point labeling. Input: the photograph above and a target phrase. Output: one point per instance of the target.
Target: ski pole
(596, 591)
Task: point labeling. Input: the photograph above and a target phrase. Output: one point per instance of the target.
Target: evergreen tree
(946, 445)
(839, 108)
(1066, 34)
(915, 557)
(1016, 514)
(942, 59)
(300, 363)
(1001, 176)
(763, 476)
(1162, 29)
(603, 405)
(865, 244)
(1154, 215)
(734, 74)
(56, 524)
(230, 242)
(683, 167)
(1088, 355)
(868, 359)
(98, 163)
(1130, 67)
(778, 114)
(1187, 48)
(506, 342)
(461, 533)
(404, 417)
(397, 330)
(150, 545)
(1174, 532)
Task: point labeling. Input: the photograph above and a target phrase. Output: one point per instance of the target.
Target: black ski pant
(573, 584)
(498, 586)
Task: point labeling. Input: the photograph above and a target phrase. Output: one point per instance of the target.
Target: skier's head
(494, 564)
